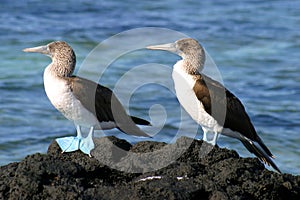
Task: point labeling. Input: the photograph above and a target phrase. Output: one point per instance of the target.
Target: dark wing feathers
(104, 105)
(140, 121)
(85, 90)
(212, 94)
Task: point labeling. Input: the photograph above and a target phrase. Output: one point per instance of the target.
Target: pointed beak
(39, 49)
(165, 47)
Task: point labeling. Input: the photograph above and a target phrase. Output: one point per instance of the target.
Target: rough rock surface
(215, 174)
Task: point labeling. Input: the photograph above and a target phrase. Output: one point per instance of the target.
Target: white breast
(63, 100)
(184, 84)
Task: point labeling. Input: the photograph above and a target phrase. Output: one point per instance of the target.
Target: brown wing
(94, 97)
(226, 108)
(103, 104)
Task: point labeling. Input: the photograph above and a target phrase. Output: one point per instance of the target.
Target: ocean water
(255, 45)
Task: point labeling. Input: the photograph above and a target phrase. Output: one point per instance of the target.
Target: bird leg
(205, 138)
(78, 129)
(87, 144)
(214, 141)
(205, 132)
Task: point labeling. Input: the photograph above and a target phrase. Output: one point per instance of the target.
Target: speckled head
(62, 55)
(189, 49)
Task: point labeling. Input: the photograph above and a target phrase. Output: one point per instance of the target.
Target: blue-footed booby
(82, 101)
(199, 95)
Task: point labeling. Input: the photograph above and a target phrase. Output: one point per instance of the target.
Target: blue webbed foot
(68, 144)
(86, 145)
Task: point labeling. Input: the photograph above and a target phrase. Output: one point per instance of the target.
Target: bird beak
(39, 49)
(165, 47)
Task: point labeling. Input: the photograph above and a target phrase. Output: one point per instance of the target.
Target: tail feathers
(140, 121)
(264, 147)
(129, 126)
(136, 131)
(259, 151)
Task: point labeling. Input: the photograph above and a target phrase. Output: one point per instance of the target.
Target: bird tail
(132, 130)
(140, 121)
(128, 125)
(258, 150)
(124, 122)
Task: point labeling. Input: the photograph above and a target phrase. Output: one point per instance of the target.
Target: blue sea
(254, 44)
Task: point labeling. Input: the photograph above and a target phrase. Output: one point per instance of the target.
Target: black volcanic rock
(119, 170)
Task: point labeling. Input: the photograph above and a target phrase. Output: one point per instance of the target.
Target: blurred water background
(255, 45)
